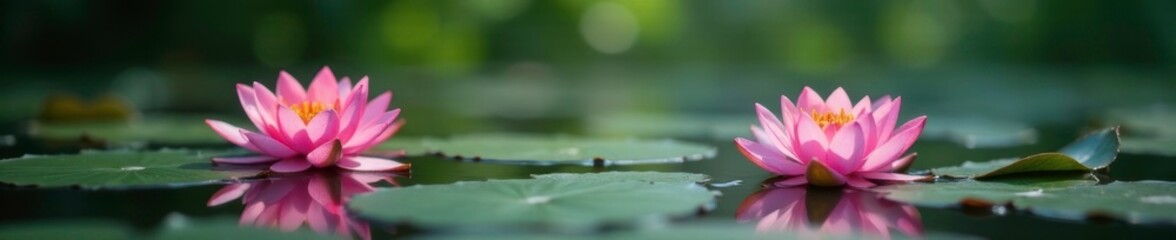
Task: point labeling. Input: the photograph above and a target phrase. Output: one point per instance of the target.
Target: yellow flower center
(837, 119)
(307, 110)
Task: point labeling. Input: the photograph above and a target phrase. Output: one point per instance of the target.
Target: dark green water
(145, 209)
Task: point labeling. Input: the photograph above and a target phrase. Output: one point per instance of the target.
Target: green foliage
(1136, 202)
(1092, 152)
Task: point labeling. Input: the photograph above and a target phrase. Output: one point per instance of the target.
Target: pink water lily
(857, 214)
(832, 142)
(329, 124)
(314, 199)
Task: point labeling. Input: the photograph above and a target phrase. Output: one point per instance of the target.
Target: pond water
(964, 124)
(742, 200)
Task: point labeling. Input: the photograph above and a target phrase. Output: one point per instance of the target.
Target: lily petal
(870, 133)
(789, 113)
(290, 165)
(846, 149)
(375, 107)
(888, 152)
(294, 211)
(349, 122)
(886, 117)
(294, 129)
(793, 181)
(777, 137)
(320, 191)
(862, 107)
(249, 104)
(839, 101)
(268, 145)
(859, 182)
(323, 128)
(811, 139)
(391, 130)
(810, 101)
(267, 108)
(289, 90)
(316, 218)
(366, 134)
(903, 163)
(768, 159)
(227, 193)
(274, 192)
(326, 154)
(344, 90)
(843, 219)
(231, 133)
(251, 213)
(324, 88)
(360, 163)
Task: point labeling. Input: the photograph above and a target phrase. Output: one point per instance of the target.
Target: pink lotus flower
(315, 199)
(856, 214)
(832, 142)
(328, 125)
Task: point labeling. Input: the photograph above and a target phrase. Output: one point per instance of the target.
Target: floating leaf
(167, 129)
(725, 230)
(66, 229)
(1094, 151)
(528, 149)
(226, 228)
(706, 229)
(676, 177)
(565, 202)
(1144, 201)
(115, 169)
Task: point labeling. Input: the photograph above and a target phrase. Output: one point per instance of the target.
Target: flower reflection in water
(316, 199)
(817, 212)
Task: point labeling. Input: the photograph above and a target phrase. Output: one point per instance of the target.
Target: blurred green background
(1037, 61)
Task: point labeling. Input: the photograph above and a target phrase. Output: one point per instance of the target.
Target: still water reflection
(816, 211)
(317, 199)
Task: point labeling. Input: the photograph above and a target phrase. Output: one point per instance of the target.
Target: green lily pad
(1136, 202)
(706, 229)
(560, 202)
(730, 231)
(675, 177)
(227, 228)
(541, 150)
(163, 129)
(66, 229)
(118, 169)
(1092, 152)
